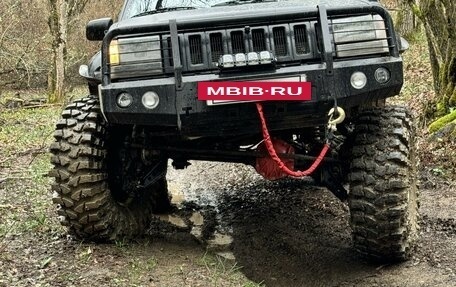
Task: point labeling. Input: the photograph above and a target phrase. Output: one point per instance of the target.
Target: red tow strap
(276, 158)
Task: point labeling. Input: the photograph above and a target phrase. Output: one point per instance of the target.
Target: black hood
(241, 11)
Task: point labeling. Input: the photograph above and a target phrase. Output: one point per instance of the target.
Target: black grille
(237, 42)
(280, 41)
(196, 50)
(288, 42)
(258, 40)
(300, 34)
(216, 43)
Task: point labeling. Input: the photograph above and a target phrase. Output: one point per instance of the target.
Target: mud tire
(383, 197)
(82, 191)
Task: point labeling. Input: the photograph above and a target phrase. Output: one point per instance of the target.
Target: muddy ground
(286, 233)
(290, 233)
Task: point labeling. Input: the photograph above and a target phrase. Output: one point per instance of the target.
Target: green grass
(219, 268)
(25, 135)
(26, 130)
(138, 268)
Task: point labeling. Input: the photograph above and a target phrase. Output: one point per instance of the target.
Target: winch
(274, 167)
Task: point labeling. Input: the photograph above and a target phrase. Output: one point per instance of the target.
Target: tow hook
(332, 122)
(329, 177)
(332, 138)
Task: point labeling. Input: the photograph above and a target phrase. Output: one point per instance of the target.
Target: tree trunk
(60, 13)
(405, 19)
(58, 23)
(61, 53)
(439, 19)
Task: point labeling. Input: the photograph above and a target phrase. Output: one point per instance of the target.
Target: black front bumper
(181, 111)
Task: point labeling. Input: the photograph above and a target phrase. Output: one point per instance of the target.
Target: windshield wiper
(162, 10)
(240, 2)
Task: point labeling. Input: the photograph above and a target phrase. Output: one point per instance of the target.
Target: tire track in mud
(291, 233)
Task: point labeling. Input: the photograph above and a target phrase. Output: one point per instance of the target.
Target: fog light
(150, 100)
(124, 100)
(358, 80)
(240, 59)
(253, 59)
(382, 75)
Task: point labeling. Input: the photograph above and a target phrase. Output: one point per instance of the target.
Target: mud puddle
(196, 211)
(291, 233)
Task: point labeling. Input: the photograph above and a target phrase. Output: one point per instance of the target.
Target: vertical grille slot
(237, 42)
(216, 41)
(258, 40)
(196, 49)
(280, 41)
(300, 34)
(169, 52)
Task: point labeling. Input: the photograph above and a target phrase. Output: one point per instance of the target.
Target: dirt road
(286, 233)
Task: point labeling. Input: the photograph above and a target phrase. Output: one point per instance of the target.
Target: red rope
(276, 158)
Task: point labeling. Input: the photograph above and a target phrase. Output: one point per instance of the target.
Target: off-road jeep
(111, 148)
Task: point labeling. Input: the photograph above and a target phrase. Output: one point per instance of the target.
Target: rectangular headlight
(114, 53)
(360, 35)
(133, 57)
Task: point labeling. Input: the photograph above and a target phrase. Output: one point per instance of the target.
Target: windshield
(135, 7)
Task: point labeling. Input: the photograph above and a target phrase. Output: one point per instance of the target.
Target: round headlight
(358, 80)
(124, 100)
(150, 100)
(382, 75)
